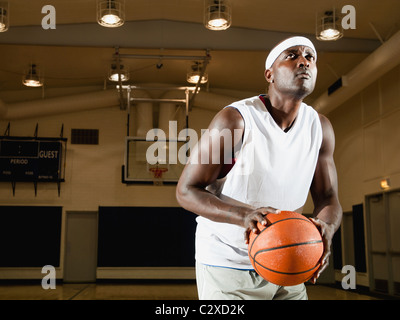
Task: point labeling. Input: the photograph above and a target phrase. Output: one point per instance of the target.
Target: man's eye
(310, 57)
(291, 55)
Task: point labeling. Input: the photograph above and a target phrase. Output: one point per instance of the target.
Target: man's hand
(327, 231)
(253, 217)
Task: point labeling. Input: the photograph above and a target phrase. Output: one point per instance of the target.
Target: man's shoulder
(328, 134)
(246, 102)
(325, 123)
(228, 118)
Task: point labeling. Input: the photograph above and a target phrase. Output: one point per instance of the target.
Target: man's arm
(192, 192)
(327, 214)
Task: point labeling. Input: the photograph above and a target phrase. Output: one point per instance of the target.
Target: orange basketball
(287, 251)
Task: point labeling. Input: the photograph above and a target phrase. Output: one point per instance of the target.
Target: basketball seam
(288, 273)
(288, 246)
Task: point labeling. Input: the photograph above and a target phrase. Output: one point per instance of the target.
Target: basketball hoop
(157, 171)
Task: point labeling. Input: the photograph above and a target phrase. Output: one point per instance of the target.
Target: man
(285, 149)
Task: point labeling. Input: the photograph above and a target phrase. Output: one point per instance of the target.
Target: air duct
(59, 105)
(101, 99)
(379, 62)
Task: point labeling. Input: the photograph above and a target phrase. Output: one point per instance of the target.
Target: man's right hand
(256, 216)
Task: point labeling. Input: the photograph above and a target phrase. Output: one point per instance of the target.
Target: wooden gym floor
(143, 291)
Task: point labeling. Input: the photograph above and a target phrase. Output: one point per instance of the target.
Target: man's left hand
(327, 231)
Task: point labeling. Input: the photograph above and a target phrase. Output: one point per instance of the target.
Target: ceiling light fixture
(329, 28)
(115, 72)
(194, 75)
(111, 13)
(32, 77)
(217, 15)
(4, 16)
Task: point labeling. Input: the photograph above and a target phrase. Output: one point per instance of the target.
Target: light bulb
(330, 34)
(110, 19)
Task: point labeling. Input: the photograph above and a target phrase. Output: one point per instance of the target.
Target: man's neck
(282, 109)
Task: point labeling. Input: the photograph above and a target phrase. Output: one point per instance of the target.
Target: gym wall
(92, 180)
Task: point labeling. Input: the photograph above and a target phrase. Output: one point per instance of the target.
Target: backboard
(153, 161)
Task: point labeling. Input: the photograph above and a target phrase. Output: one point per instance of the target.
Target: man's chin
(303, 92)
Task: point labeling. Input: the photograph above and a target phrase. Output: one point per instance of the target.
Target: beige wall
(93, 172)
(367, 129)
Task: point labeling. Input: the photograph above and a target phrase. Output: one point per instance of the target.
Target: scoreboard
(32, 159)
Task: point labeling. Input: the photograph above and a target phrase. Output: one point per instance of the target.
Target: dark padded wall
(30, 236)
(146, 237)
(359, 238)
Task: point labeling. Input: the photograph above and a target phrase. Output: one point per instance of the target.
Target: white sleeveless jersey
(273, 169)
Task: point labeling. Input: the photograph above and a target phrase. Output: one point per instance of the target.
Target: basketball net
(157, 173)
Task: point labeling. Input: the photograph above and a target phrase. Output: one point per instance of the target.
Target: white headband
(286, 44)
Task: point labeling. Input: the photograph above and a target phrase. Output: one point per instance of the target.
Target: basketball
(287, 251)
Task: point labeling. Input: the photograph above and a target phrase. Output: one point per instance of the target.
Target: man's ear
(269, 76)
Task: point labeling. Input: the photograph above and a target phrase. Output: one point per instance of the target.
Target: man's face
(294, 71)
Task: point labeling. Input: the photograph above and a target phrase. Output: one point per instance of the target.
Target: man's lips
(304, 75)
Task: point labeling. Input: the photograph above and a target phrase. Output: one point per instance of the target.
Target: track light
(329, 27)
(111, 13)
(32, 77)
(4, 21)
(195, 74)
(114, 72)
(217, 15)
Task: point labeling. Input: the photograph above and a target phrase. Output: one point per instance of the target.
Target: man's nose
(303, 62)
